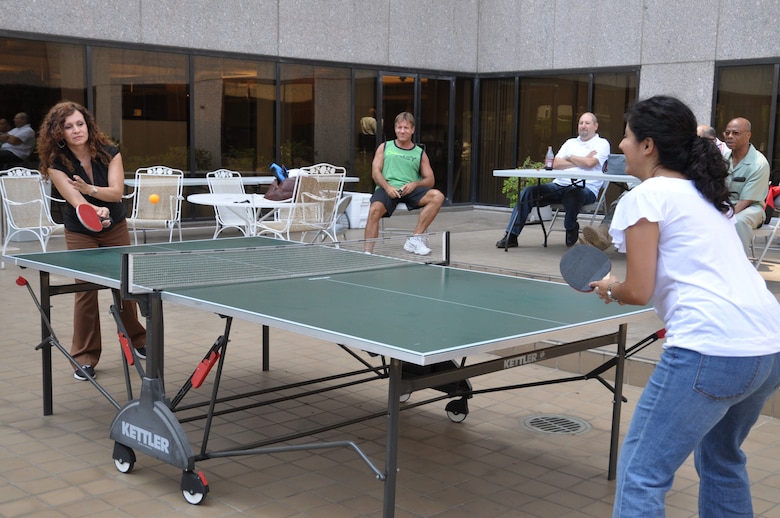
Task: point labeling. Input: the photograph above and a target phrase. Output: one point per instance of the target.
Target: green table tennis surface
(420, 313)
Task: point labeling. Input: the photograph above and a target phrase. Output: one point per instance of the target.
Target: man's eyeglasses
(732, 132)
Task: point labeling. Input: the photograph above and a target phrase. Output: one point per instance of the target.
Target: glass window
(746, 91)
(35, 75)
(141, 101)
(773, 154)
(368, 131)
(433, 127)
(496, 135)
(235, 121)
(461, 166)
(315, 112)
(397, 97)
(612, 94)
(550, 108)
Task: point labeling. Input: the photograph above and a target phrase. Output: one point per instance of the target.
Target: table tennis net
(146, 271)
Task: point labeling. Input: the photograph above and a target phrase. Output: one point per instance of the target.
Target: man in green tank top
(403, 174)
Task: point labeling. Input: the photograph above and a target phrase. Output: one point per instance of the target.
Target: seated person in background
(748, 179)
(5, 126)
(708, 132)
(17, 143)
(402, 173)
(586, 153)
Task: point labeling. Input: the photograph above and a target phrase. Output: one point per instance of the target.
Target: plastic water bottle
(548, 159)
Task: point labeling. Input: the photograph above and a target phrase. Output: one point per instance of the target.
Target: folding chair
(615, 164)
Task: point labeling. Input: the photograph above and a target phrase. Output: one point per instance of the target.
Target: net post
(124, 277)
(125, 283)
(446, 248)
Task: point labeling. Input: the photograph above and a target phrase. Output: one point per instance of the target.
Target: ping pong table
(449, 315)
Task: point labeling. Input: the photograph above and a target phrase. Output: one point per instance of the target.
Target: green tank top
(401, 166)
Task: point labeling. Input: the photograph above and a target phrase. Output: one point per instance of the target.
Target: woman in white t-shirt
(721, 359)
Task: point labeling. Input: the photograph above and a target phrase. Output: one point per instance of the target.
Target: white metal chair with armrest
(26, 206)
(323, 168)
(224, 181)
(312, 209)
(166, 183)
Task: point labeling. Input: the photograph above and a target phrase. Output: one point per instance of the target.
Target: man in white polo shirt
(587, 153)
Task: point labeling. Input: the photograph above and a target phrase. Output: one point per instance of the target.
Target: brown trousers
(87, 343)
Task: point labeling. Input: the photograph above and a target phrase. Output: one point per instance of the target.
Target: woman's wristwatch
(94, 190)
(610, 294)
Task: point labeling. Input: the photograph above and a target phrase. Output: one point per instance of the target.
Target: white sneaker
(416, 245)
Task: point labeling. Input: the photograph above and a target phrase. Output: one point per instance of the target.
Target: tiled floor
(491, 465)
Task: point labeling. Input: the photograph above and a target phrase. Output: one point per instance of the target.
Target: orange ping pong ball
(154, 198)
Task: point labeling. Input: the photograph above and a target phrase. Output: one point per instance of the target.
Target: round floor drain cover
(556, 424)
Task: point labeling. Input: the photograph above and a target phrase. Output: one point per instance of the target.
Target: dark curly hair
(51, 137)
(672, 126)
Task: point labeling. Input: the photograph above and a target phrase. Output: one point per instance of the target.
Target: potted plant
(513, 186)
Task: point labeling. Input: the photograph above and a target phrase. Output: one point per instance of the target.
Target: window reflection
(550, 108)
(496, 137)
(462, 143)
(315, 115)
(141, 101)
(612, 93)
(244, 114)
(365, 143)
(235, 103)
(746, 91)
(35, 75)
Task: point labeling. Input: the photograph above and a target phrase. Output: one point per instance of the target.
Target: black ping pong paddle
(88, 217)
(584, 264)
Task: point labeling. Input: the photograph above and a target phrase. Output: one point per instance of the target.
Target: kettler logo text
(523, 360)
(145, 437)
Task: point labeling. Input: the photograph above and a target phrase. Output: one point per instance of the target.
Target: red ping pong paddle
(89, 218)
(584, 264)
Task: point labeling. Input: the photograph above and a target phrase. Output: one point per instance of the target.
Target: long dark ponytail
(672, 126)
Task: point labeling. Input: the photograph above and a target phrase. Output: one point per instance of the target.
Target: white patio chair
(323, 168)
(313, 209)
(767, 232)
(340, 220)
(166, 213)
(26, 206)
(224, 181)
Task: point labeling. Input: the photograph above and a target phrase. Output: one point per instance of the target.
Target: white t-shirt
(710, 297)
(578, 147)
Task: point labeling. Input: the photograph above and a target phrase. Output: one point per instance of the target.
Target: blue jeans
(571, 196)
(700, 404)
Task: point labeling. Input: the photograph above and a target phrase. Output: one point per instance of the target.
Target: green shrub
(512, 186)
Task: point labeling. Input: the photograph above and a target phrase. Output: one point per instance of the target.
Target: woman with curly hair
(86, 167)
(721, 359)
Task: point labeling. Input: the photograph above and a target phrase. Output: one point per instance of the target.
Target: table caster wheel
(457, 410)
(194, 487)
(124, 458)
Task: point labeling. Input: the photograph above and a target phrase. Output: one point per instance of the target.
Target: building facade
(244, 83)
